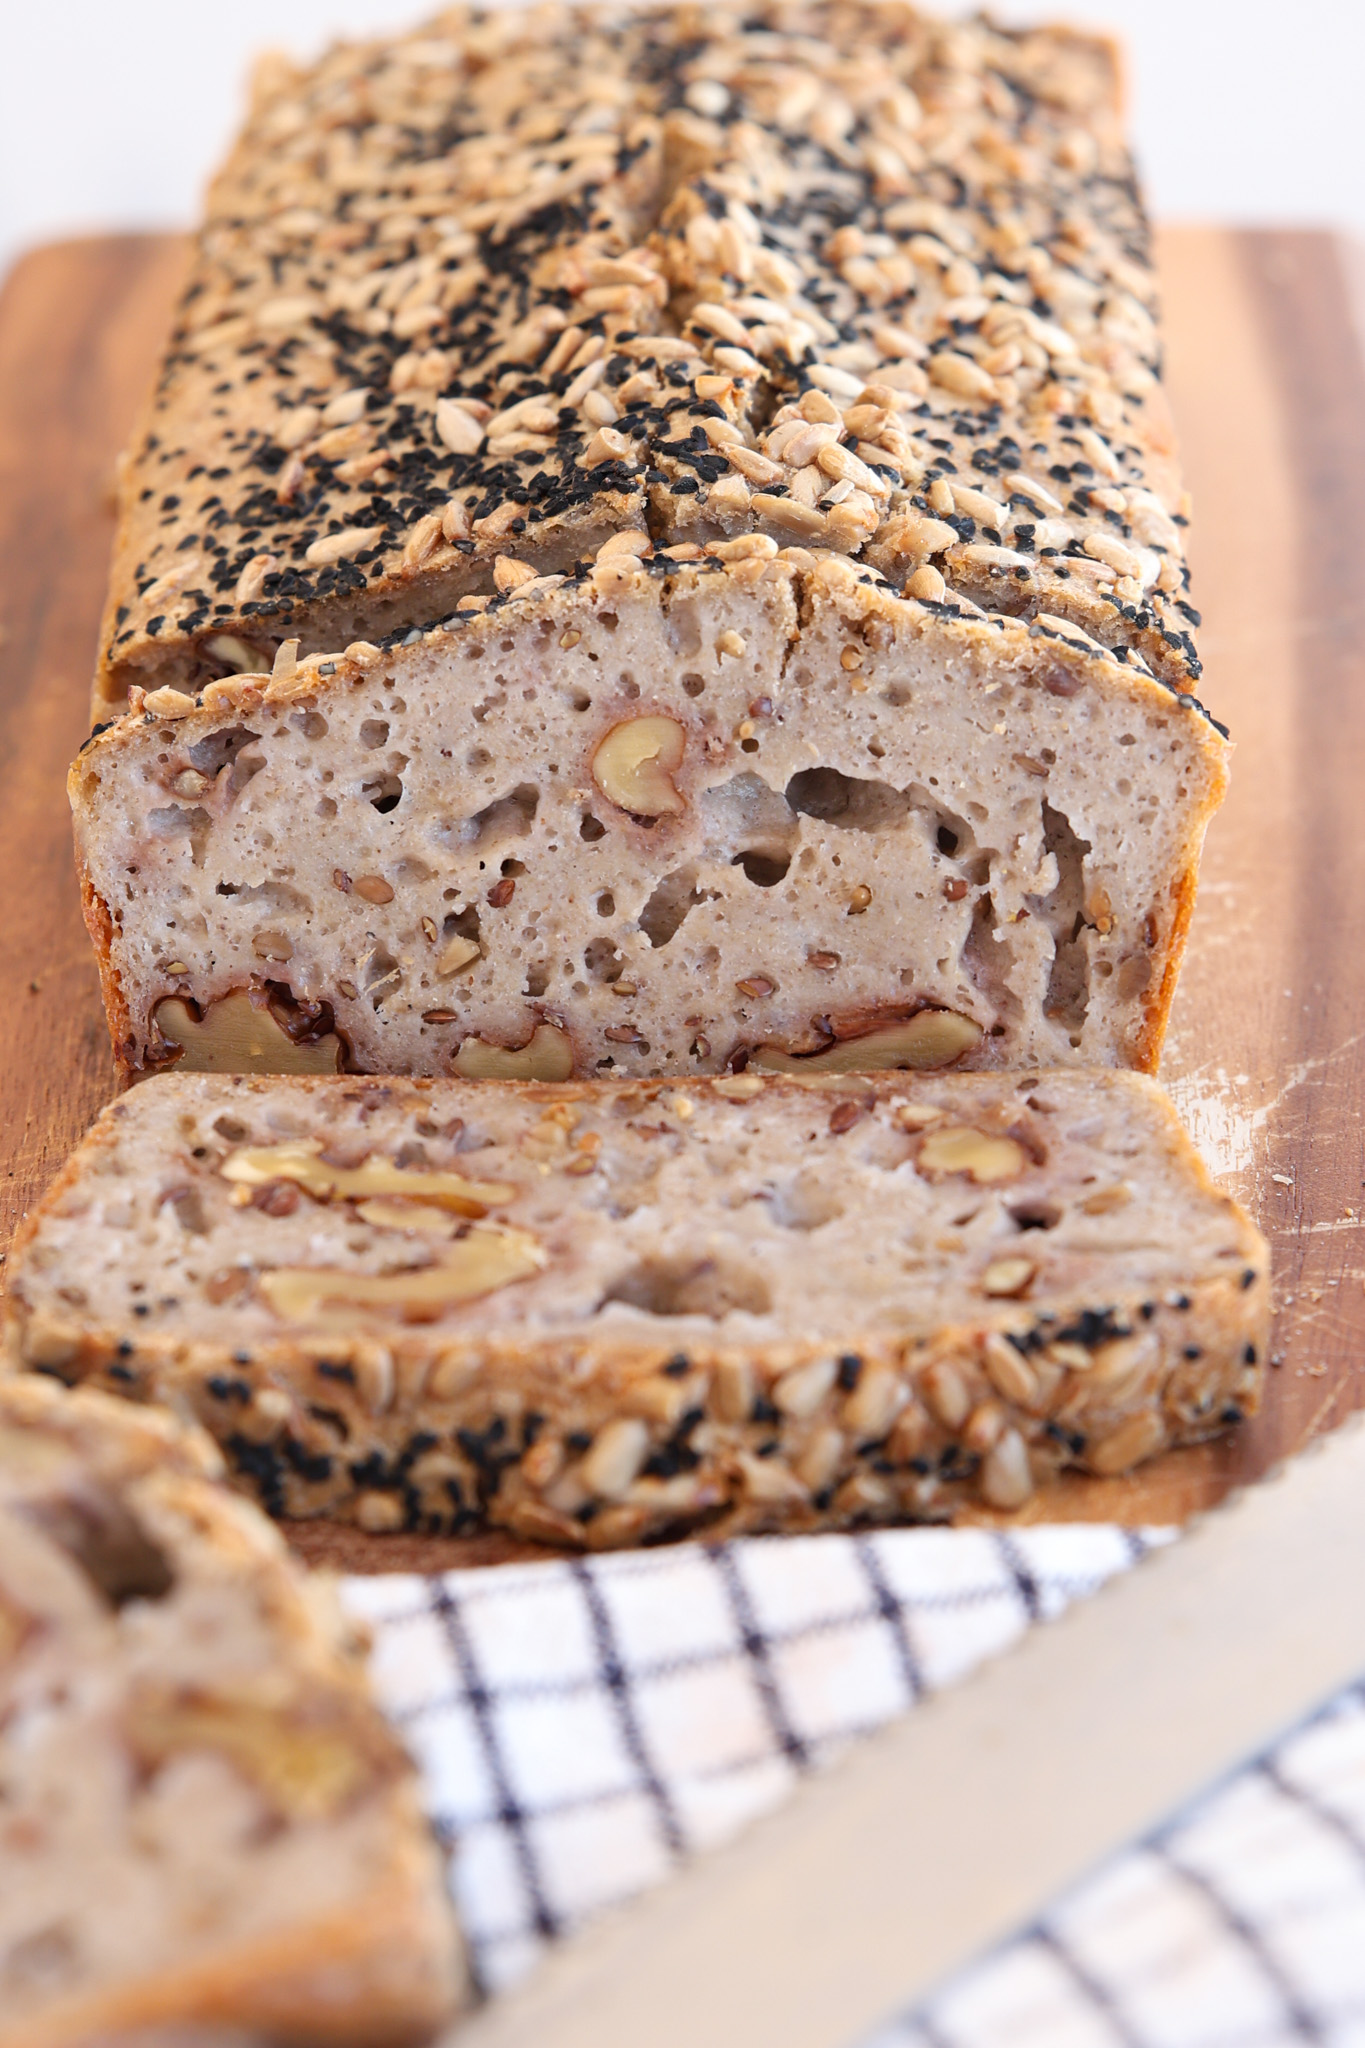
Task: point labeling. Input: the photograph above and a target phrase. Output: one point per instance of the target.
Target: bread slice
(657, 540)
(600, 1314)
(208, 1833)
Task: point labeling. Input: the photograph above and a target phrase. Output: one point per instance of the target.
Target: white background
(113, 111)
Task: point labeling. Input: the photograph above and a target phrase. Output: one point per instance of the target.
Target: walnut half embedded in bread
(768, 405)
(207, 1829)
(600, 1313)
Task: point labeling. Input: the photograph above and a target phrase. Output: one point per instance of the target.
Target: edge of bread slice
(599, 1314)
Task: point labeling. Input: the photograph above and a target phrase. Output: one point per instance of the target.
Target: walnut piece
(404, 1215)
(1007, 1276)
(255, 1166)
(933, 1038)
(634, 765)
(306, 1770)
(546, 1056)
(457, 952)
(234, 1037)
(960, 1149)
(490, 1257)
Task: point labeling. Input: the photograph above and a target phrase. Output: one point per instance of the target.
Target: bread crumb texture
(597, 1315)
(657, 543)
(206, 1822)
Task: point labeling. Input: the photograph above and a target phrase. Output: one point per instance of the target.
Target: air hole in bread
(602, 960)
(462, 924)
(662, 917)
(175, 821)
(754, 824)
(857, 804)
(763, 869)
(101, 1534)
(1063, 911)
(1036, 1216)
(187, 1205)
(806, 1202)
(213, 753)
(381, 974)
(690, 1287)
(509, 817)
(386, 793)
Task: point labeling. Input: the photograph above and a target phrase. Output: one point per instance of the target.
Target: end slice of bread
(208, 1830)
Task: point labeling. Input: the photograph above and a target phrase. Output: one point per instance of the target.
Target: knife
(946, 1833)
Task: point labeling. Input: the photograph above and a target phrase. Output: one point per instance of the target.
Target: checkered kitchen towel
(582, 1724)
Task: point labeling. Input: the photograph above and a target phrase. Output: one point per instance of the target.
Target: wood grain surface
(1267, 1047)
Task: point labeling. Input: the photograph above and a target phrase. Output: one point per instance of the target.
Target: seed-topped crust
(758, 1301)
(470, 302)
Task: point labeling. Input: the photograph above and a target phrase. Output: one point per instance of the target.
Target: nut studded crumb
(469, 302)
(597, 1315)
(628, 495)
(209, 1831)
(578, 836)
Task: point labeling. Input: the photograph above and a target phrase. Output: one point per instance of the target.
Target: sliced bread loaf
(207, 1832)
(596, 1314)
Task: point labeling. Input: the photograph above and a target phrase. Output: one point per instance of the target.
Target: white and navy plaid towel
(580, 1725)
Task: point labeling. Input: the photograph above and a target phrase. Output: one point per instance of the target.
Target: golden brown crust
(370, 1976)
(1157, 1009)
(100, 926)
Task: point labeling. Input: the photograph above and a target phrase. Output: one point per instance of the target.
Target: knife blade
(947, 1832)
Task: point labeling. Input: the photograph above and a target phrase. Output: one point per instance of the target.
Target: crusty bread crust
(392, 368)
(374, 1976)
(747, 1303)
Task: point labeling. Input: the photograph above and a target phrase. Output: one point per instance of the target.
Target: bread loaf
(207, 1831)
(656, 546)
(595, 1314)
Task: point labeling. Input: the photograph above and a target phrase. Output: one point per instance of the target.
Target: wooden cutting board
(1267, 1046)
